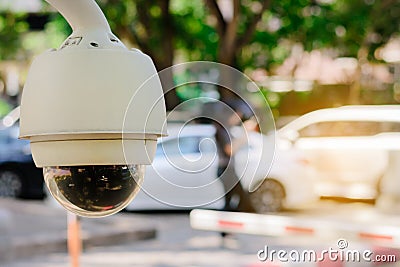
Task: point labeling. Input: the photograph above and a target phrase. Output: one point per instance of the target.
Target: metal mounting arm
(89, 25)
(82, 15)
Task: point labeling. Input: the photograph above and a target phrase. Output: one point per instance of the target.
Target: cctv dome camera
(77, 108)
(94, 190)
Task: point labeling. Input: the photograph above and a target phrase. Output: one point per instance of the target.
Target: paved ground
(29, 228)
(176, 244)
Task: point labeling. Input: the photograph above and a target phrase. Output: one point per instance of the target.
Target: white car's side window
(184, 145)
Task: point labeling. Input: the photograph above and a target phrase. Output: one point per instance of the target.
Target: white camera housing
(93, 102)
(74, 106)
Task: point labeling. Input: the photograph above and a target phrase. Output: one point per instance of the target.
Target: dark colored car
(19, 176)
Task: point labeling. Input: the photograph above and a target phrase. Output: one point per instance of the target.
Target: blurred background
(304, 56)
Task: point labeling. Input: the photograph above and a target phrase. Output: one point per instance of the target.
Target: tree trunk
(231, 42)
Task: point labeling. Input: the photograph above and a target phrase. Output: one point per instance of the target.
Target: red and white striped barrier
(383, 241)
(278, 225)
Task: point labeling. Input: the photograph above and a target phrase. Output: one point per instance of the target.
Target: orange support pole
(74, 240)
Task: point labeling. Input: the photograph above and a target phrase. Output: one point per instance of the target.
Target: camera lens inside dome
(94, 191)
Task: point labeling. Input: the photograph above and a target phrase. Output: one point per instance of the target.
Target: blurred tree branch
(251, 27)
(231, 39)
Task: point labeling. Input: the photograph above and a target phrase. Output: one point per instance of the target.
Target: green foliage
(343, 25)
(4, 108)
(196, 39)
(58, 27)
(12, 27)
(18, 42)
(190, 31)
(54, 33)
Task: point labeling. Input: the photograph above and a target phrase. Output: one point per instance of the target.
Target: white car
(341, 152)
(184, 172)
